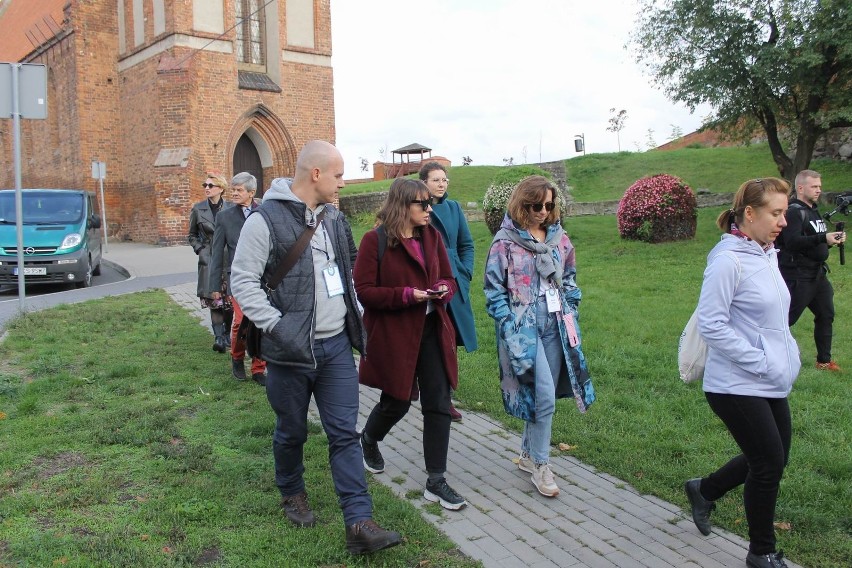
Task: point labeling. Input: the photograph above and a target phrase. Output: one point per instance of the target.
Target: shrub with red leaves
(656, 209)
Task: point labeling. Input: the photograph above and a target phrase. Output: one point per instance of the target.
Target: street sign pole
(27, 99)
(19, 200)
(101, 175)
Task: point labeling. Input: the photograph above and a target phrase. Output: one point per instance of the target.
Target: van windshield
(43, 208)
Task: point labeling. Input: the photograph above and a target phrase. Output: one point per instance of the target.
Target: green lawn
(124, 441)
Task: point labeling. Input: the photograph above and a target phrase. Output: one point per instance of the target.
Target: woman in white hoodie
(751, 363)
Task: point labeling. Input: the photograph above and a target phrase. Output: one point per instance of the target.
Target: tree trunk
(770, 127)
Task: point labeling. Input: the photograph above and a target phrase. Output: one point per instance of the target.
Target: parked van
(62, 242)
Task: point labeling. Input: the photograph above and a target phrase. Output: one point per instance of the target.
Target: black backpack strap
(380, 251)
(383, 242)
(802, 211)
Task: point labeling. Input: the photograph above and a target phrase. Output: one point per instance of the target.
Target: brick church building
(164, 91)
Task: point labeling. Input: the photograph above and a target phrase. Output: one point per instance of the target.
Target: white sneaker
(542, 478)
(525, 463)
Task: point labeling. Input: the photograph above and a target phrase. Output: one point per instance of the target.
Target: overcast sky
(491, 79)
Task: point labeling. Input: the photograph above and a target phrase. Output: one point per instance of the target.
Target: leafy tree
(783, 66)
(616, 124)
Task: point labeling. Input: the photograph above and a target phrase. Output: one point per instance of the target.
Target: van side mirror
(95, 221)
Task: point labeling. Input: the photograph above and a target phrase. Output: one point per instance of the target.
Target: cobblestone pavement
(596, 521)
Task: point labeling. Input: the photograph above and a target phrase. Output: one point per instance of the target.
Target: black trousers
(434, 401)
(761, 427)
(818, 296)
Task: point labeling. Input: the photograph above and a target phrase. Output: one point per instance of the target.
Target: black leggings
(434, 402)
(761, 427)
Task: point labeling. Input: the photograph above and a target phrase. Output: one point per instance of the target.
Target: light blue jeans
(548, 363)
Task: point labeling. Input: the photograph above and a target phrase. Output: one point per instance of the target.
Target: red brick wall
(125, 118)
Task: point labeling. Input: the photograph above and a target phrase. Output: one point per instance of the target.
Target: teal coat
(449, 220)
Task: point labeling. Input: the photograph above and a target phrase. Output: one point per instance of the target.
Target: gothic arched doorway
(247, 159)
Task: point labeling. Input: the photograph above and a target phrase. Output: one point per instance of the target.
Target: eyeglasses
(537, 206)
(438, 180)
(209, 185)
(424, 203)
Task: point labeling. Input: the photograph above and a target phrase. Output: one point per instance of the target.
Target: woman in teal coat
(449, 219)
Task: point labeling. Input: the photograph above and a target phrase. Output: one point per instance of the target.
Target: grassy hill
(604, 177)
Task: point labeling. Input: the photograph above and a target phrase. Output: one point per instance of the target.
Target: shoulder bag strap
(294, 253)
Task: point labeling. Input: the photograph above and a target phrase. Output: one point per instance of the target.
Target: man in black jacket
(804, 245)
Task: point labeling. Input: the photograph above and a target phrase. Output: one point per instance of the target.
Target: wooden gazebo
(405, 165)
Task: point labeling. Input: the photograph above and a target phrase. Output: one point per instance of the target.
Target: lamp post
(580, 143)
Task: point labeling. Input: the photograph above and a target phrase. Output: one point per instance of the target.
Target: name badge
(553, 303)
(333, 283)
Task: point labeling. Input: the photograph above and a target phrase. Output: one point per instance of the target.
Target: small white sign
(98, 170)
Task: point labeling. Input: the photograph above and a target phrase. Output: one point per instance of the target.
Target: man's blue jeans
(334, 385)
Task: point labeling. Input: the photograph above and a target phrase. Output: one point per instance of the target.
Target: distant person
(202, 222)
(804, 245)
(448, 218)
(532, 294)
(310, 322)
(752, 362)
(411, 343)
(229, 223)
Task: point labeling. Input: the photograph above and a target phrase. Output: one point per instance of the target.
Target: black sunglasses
(424, 203)
(537, 206)
(209, 185)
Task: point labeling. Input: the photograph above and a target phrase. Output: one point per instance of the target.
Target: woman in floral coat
(531, 293)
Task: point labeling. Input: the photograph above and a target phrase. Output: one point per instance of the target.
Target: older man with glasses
(228, 226)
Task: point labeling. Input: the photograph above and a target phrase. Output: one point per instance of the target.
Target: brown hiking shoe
(367, 536)
(297, 510)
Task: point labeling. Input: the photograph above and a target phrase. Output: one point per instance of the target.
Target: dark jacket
(802, 243)
(394, 329)
(287, 316)
(449, 219)
(229, 223)
(201, 227)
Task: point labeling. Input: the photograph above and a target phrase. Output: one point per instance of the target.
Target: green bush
(657, 209)
(498, 193)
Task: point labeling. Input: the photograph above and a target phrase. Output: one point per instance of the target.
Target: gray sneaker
(525, 463)
(542, 478)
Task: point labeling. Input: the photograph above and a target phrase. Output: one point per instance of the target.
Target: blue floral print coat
(511, 290)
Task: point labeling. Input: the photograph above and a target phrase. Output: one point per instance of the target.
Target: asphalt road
(111, 282)
(108, 276)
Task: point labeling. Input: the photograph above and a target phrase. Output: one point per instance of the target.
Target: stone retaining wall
(352, 205)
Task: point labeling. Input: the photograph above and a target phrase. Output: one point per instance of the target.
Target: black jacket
(229, 223)
(802, 242)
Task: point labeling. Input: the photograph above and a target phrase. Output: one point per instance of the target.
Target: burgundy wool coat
(394, 330)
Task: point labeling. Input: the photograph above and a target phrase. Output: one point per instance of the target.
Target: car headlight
(70, 241)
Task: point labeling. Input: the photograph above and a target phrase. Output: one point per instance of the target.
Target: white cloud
(488, 78)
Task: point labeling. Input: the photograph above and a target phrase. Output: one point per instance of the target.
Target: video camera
(842, 202)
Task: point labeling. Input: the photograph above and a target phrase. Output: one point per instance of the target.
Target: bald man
(310, 324)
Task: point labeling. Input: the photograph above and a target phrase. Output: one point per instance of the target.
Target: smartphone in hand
(436, 293)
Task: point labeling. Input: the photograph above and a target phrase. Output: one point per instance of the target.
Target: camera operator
(804, 245)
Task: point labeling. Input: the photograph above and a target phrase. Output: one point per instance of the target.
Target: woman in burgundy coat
(404, 281)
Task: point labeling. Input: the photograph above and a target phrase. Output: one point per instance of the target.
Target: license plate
(32, 271)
